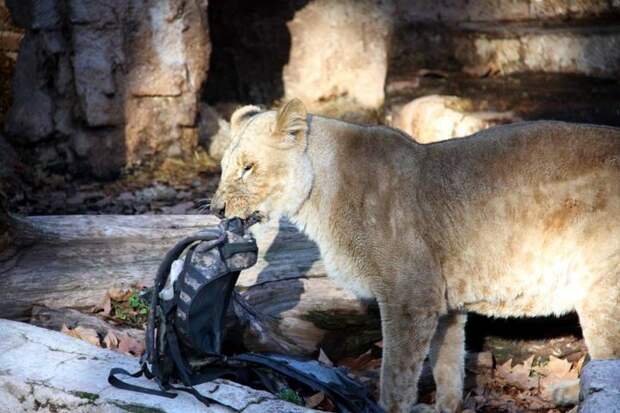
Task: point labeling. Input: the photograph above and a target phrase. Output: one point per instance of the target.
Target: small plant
(138, 304)
(131, 309)
(290, 396)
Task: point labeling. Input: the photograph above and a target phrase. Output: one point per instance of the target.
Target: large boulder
(600, 387)
(48, 371)
(435, 118)
(339, 48)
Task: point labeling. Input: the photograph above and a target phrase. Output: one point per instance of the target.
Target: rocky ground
(177, 188)
(503, 375)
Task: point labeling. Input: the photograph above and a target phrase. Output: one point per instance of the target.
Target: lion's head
(265, 169)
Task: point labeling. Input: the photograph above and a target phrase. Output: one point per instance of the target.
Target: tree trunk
(287, 304)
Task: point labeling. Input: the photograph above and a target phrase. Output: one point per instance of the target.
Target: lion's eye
(246, 169)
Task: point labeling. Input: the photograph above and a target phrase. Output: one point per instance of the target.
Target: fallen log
(287, 304)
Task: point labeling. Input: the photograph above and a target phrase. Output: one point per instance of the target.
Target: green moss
(91, 397)
(136, 408)
(290, 396)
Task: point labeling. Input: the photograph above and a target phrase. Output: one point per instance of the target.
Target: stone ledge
(480, 49)
(452, 11)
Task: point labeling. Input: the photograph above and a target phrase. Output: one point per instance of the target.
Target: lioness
(518, 220)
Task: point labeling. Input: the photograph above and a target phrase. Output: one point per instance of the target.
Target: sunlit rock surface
(339, 48)
(46, 369)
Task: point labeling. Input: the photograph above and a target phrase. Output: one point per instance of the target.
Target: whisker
(203, 202)
(202, 209)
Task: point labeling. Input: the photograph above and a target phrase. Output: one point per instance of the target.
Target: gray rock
(499, 48)
(31, 114)
(179, 209)
(65, 375)
(97, 13)
(97, 52)
(8, 161)
(35, 14)
(157, 192)
(600, 387)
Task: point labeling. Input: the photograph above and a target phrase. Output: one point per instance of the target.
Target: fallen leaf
(119, 294)
(314, 400)
(579, 364)
(557, 367)
(111, 340)
(324, 359)
(87, 334)
(326, 405)
(66, 330)
(556, 372)
(362, 362)
(130, 345)
(105, 306)
(519, 374)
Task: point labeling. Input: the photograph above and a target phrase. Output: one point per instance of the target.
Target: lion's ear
(291, 123)
(242, 114)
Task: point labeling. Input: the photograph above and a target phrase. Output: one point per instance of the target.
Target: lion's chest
(344, 270)
(340, 265)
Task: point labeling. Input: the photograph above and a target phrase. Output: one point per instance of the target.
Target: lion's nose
(218, 207)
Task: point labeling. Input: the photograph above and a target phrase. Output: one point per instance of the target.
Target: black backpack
(188, 303)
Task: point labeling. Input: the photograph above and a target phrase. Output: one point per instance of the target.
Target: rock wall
(105, 86)
(10, 37)
(102, 86)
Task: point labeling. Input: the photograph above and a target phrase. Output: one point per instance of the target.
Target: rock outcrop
(100, 86)
(45, 370)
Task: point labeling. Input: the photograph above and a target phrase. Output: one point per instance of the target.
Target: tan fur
(518, 220)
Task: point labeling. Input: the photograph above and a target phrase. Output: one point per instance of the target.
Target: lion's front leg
(407, 333)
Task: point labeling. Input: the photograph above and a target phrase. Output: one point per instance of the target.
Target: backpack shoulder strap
(118, 383)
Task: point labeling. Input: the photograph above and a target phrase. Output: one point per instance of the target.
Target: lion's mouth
(254, 218)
